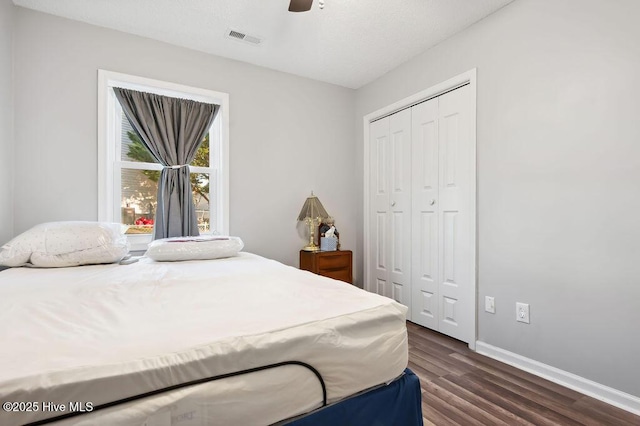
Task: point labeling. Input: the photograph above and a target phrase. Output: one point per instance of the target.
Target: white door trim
(468, 77)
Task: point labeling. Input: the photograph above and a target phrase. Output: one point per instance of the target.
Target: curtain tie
(176, 167)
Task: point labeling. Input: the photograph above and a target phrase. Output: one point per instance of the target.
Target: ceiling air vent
(240, 36)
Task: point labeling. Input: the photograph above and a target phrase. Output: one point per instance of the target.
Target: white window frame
(110, 164)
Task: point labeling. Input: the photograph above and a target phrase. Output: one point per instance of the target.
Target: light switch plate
(489, 304)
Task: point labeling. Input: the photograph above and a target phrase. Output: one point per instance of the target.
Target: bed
(117, 344)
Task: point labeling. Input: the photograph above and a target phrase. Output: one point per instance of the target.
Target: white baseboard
(588, 387)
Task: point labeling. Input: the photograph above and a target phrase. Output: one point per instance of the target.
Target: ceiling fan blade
(300, 5)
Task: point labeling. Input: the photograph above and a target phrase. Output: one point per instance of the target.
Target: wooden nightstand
(332, 264)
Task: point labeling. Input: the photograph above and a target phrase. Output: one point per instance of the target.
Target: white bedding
(105, 332)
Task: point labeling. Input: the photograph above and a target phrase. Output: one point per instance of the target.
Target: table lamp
(312, 213)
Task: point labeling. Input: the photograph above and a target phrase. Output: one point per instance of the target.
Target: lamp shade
(312, 208)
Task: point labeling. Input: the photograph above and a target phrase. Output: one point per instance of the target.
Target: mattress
(95, 334)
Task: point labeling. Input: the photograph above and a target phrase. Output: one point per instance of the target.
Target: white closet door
(422, 214)
(455, 274)
(400, 207)
(425, 205)
(379, 196)
(443, 276)
(390, 195)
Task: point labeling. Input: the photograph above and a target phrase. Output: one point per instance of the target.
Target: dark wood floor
(461, 387)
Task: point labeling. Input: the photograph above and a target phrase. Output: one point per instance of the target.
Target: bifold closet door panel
(425, 205)
(400, 207)
(390, 201)
(456, 275)
(379, 207)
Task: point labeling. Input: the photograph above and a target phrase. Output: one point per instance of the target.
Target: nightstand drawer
(332, 264)
(338, 274)
(328, 263)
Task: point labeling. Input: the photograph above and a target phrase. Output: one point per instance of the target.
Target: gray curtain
(172, 130)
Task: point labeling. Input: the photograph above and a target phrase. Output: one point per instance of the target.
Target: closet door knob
(432, 202)
(393, 203)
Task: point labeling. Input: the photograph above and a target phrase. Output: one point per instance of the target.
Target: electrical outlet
(489, 304)
(522, 312)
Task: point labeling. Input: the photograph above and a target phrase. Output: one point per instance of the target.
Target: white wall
(558, 176)
(289, 135)
(6, 120)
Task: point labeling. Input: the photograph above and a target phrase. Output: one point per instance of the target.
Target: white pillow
(193, 248)
(61, 244)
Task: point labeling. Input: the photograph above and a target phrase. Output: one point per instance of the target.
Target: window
(128, 174)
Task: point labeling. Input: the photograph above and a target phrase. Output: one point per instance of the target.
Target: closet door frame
(466, 78)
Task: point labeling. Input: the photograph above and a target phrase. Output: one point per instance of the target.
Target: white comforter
(105, 332)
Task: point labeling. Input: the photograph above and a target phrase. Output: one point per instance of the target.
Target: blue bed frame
(397, 404)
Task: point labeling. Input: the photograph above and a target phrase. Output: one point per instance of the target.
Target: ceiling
(349, 43)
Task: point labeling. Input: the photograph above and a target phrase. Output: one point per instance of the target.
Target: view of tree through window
(139, 187)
